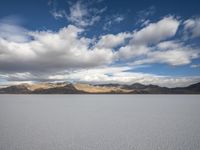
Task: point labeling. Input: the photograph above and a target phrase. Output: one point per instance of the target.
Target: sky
(100, 41)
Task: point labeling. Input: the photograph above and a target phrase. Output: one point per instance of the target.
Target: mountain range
(83, 88)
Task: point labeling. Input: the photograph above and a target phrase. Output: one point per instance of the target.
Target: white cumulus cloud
(67, 54)
(111, 40)
(170, 52)
(192, 28)
(155, 32)
(52, 51)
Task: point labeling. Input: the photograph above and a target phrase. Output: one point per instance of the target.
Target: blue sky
(102, 41)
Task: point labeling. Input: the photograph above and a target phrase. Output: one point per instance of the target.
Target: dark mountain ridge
(76, 88)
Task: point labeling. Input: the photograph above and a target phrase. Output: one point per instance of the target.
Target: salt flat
(99, 122)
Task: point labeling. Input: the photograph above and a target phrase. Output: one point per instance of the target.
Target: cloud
(170, 52)
(151, 34)
(195, 66)
(11, 30)
(49, 2)
(122, 76)
(18, 76)
(55, 12)
(82, 14)
(118, 18)
(67, 48)
(52, 51)
(58, 14)
(68, 54)
(144, 15)
(114, 19)
(155, 32)
(104, 75)
(132, 51)
(111, 41)
(79, 13)
(192, 28)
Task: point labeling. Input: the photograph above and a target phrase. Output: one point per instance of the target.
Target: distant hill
(82, 88)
